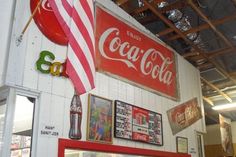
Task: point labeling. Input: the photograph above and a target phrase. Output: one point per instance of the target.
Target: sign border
(152, 37)
(114, 124)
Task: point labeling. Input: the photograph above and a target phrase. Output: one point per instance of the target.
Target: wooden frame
(181, 144)
(64, 144)
(100, 121)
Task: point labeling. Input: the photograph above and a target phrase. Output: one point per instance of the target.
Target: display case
(72, 148)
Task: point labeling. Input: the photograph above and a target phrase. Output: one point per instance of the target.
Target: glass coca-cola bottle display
(75, 118)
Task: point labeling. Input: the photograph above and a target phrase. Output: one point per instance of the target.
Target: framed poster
(138, 124)
(100, 112)
(181, 144)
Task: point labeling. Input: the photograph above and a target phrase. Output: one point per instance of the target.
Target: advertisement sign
(134, 123)
(184, 115)
(226, 135)
(131, 55)
(47, 22)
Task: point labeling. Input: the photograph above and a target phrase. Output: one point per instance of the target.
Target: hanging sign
(184, 115)
(47, 22)
(127, 53)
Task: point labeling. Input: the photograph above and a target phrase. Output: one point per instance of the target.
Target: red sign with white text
(140, 124)
(184, 115)
(127, 53)
(47, 22)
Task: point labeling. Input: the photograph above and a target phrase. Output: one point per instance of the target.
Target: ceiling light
(225, 107)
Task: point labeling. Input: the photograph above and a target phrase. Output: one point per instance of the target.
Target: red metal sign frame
(90, 146)
(131, 55)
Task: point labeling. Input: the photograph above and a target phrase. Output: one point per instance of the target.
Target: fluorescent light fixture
(225, 107)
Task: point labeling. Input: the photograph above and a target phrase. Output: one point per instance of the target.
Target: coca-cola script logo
(180, 118)
(47, 22)
(46, 6)
(131, 54)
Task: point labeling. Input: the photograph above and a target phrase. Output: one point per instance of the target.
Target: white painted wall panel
(6, 17)
(56, 93)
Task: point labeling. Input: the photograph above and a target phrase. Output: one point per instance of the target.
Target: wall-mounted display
(47, 22)
(75, 118)
(144, 60)
(100, 111)
(135, 123)
(181, 144)
(184, 115)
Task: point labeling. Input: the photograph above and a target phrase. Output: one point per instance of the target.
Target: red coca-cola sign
(127, 53)
(184, 115)
(47, 22)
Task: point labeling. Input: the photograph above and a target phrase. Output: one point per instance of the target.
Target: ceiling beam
(221, 52)
(165, 32)
(147, 19)
(205, 26)
(208, 100)
(201, 14)
(211, 54)
(138, 10)
(179, 4)
(174, 5)
(121, 2)
(204, 66)
(190, 54)
(152, 7)
(217, 89)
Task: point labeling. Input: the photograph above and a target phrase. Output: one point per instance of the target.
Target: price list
(123, 120)
(138, 124)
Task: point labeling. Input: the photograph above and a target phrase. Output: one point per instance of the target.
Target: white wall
(6, 17)
(56, 93)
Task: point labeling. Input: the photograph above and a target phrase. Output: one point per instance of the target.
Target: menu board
(138, 124)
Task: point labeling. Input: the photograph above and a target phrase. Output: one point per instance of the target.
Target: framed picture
(100, 113)
(137, 124)
(181, 144)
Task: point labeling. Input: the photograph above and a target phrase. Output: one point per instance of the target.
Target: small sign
(49, 130)
(181, 144)
(184, 115)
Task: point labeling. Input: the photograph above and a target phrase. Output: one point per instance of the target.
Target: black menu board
(135, 123)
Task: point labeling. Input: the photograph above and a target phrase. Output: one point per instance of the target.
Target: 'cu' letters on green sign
(55, 68)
